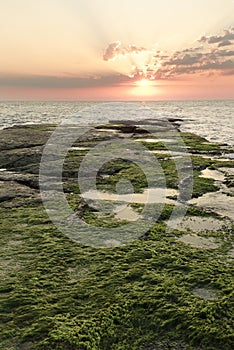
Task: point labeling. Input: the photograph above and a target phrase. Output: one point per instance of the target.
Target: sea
(213, 120)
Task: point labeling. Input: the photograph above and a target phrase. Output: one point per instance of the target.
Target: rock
(83, 207)
(11, 189)
(156, 123)
(20, 159)
(21, 147)
(24, 136)
(28, 180)
(175, 120)
(125, 128)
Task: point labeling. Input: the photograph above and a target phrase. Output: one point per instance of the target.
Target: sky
(116, 49)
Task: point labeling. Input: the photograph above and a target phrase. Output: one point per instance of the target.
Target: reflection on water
(206, 294)
(213, 174)
(200, 224)
(123, 212)
(199, 242)
(150, 195)
(150, 140)
(217, 201)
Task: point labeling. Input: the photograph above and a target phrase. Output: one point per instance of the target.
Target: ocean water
(213, 120)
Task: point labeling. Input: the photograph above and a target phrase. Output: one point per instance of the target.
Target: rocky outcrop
(28, 180)
(10, 190)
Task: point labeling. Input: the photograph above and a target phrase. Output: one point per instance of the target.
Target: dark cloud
(116, 49)
(184, 60)
(206, 59)
(190, 65)
(226, 53)
(62, 82)
(225, 43)
(228, 35)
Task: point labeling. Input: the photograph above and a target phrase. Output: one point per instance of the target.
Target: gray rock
(11, 189)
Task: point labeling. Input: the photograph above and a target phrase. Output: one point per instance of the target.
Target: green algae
(117, 298)
(58, 294)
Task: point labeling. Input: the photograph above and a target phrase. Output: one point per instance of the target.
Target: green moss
(156, 146)
(121, 170)
(196, 143)
(115, 298)
(202, 185)
(58, 294)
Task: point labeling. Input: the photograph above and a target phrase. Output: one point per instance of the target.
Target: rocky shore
(164, 290)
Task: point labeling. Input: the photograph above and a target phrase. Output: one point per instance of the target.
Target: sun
(142, 82)
(144, 88)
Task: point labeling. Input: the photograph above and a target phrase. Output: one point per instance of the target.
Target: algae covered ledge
(165, 289)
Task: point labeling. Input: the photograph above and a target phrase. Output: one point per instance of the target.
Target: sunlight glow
(144, 88)
(143, 82)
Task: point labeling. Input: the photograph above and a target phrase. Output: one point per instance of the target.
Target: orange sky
(117, 50)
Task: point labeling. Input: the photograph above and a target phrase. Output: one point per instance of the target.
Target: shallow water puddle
(217, 201)
(78, 148)
(148, 140)
(171, 153)
(199, 242)
(229, 171)
(123, 212)
(213, 174)
(206, 294)
(229, 155)
(150, 195)
(114, 131)
(200, 224)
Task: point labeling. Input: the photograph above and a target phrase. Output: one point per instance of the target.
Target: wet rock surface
(21, 150)
(22, 146)
(24, 136)
(11, 189)
(169, 280)
(29, 180)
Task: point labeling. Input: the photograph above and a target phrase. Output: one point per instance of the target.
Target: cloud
(228, 35)
(112, 51)
(225, 43)
(214, 56)
(209, 58)
(65, 82)
(207, 62)
(226, 53)
(116, 49)
(184, 60)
